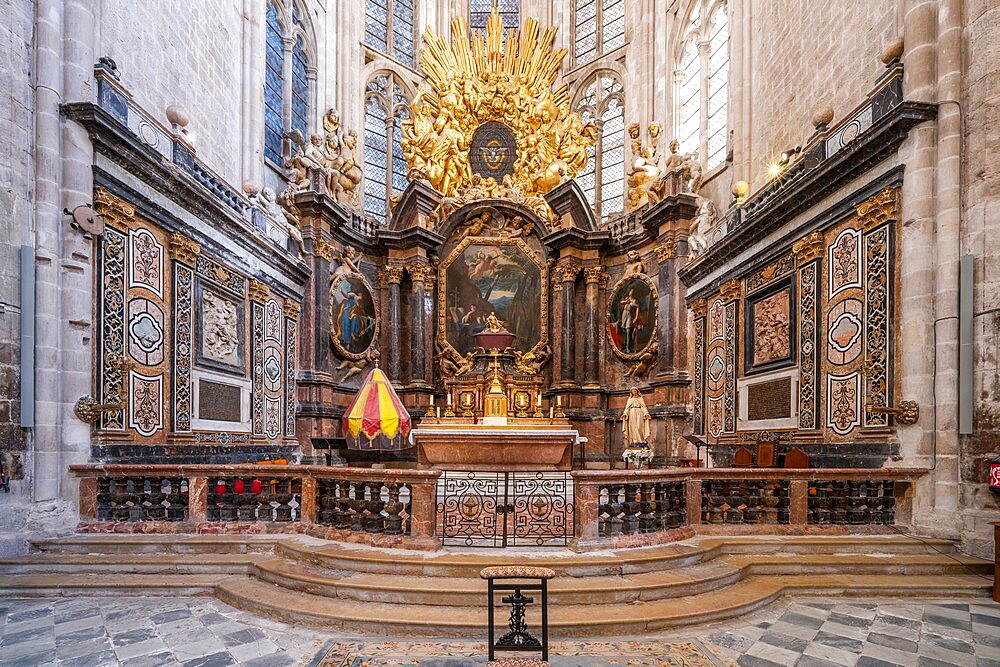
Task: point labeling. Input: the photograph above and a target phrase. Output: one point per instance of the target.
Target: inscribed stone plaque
(769, 400)
(219, 402)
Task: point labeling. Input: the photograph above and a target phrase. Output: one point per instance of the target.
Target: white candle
(559, 401)
(439, 413)
(539, 400)
(449, 399)
(551, 413)
(432, 400)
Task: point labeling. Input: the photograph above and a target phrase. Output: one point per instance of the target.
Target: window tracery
(389, 28)
(288, 75)
(702, 83)
(386, 107)
(603, 180)
(509, 10)
(598, 28)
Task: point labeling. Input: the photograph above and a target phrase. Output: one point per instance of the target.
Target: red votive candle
(238, 486)
(220, 487)
(256, 486)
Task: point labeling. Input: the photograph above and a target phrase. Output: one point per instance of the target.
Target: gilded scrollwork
(877, 209)
(471, 83)
(116, 211)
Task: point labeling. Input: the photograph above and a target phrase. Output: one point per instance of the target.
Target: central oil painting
(500, 279)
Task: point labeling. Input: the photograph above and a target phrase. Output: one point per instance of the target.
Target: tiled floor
(812, 632)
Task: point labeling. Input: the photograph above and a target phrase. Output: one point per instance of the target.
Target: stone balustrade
(622, 508)
(377, 507)
(397, 508)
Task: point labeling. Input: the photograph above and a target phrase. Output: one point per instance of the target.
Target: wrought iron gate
(499, 509)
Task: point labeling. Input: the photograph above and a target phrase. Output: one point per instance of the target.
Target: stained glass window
(389, 28)
(702, 84)
(300, 89)
(603, 180)
(286, 75)
(718, 88)
(274, 63)
(385, 165)
(509, 10)
(598, 27)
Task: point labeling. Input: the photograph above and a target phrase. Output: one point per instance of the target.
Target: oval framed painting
(353, 315)
(632, 316)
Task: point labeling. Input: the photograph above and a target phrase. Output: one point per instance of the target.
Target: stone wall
(801, 57)
(183, 53)
(16, 105)
(981, 192)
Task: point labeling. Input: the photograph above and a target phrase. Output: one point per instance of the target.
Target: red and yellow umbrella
(376, 409)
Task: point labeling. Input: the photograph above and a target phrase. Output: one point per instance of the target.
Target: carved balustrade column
(596, 278)
(564, 281)
(419, 275)
(390, 277)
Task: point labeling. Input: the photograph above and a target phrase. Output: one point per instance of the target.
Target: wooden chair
(743, 458)
(765, 455)
(796, 458)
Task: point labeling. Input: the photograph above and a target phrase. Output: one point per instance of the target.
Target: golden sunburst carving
(506, 79)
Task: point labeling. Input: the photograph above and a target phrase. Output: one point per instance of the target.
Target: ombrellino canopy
(376, 410)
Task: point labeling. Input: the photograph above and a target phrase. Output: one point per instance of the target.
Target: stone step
(569, 620)
(468, 591)
(107, 585)
(129, 543)
(72, 563)
(416, 589)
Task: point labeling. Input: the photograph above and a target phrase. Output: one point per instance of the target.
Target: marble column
(596, 278)
(666, 316)
(390, 277)
(565, 281)
(419, 275)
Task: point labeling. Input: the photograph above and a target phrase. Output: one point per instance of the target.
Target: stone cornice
(780, 207)
(119, 145)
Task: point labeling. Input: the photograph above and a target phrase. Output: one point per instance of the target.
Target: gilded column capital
(595, 274)
(292, 309)
(390, 275)
(258, 291)
(116, 211)
(323, 248)
(730, 291)
(666, 250)
(878, 209)
(183, 249)
(566, 270)
(420, 272)
(699, 307)
(809, 248)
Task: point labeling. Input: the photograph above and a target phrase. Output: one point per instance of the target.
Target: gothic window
(603, 180)
(389, 28)
(702, 83)
(273, 84)
(598, 27)
(509, 10)
(385, 166)
(288, 75)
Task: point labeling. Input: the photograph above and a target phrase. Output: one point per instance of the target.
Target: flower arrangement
(637, 455)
